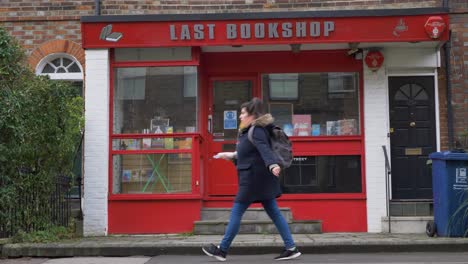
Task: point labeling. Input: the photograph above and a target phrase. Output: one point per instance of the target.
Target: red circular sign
(435, 26)
(374, 60)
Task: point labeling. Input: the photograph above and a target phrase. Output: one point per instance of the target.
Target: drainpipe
(97, 10)
(448, 73)
(448, 69)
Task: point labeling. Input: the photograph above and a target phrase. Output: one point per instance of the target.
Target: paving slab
(101, 260)
(174, 244)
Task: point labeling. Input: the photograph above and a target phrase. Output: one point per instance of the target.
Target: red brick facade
(36, 22)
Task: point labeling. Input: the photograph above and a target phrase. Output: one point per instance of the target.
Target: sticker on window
(230, 119)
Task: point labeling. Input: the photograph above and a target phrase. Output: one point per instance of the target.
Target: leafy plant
(462, 141)
(40, 127)
(459, 219)
(51, 234)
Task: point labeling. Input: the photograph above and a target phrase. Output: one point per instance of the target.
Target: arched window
(60, 66)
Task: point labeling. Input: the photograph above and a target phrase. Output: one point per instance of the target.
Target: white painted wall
(376, 125)
(96, 143)
(398, 62)
(414, 59)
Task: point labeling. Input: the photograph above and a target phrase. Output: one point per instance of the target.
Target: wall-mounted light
(353, 48)
(295, 48)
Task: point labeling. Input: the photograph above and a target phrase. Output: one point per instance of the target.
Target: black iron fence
(32, 210)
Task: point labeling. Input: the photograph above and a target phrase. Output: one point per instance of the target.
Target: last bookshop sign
(116, 33)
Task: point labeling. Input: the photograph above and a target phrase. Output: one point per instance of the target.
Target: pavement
(187, 244)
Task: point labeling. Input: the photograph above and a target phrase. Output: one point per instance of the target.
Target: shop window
(156, 100)
(159, 173)
(153, 54)
(323, 174)
(314, 104)
(284, 86)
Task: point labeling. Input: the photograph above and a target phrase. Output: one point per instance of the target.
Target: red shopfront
(176, 84)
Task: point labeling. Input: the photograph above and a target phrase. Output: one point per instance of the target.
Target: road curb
(73, 250)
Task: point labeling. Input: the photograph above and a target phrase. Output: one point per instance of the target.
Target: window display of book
(348, 127)
(344, 127)
(333, 128)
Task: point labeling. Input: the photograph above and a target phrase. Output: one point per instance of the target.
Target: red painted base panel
(159, 217)
(153, 216)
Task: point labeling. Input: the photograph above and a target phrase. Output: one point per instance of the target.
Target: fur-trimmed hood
(263, 120)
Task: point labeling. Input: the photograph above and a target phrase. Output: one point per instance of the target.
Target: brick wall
(31, 34)
(40, 10)
(214, 6)
(459, 70)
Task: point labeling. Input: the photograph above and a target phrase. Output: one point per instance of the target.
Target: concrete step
(218, 227)
(406, 224)
(222, 214)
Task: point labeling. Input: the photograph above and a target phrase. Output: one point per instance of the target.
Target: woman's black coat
(256, 182)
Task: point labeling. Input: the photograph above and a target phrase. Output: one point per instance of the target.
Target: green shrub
(40, 129)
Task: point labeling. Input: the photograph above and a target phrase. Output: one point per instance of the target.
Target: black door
(412, 135)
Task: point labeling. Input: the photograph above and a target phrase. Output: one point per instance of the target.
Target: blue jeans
(271, 208)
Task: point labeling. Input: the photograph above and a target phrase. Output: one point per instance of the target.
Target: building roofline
(265, 15)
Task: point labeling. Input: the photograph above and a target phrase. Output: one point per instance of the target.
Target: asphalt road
(386, 258)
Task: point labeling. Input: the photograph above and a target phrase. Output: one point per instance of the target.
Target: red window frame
(233, 64)
(196, 137)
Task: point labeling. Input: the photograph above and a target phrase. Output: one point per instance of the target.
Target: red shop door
(225, 98)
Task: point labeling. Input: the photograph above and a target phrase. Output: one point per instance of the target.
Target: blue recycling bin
(450, 189)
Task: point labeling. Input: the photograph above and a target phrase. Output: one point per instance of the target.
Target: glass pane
(155, 143)
(61, 70)
(328, 104)
(406, 90)
(151, 100)
(152, 173)
(227, 99)
(419, 93)
(57, 62)
(74, 68)
(153, 54)
(284, 86)
(66, 62)
(400, 96)
(48, 69)
(323, 174)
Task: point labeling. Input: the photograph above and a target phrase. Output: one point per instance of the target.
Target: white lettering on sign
(300, 158)
(272, 30)
(197, 32)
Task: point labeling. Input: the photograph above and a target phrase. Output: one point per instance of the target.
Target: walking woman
(258, 173)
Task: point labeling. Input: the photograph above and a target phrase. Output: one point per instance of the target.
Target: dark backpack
(280, 144)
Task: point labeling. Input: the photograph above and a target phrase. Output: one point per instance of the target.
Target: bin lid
(448, 155)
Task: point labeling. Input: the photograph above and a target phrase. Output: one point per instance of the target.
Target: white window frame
(75, 76)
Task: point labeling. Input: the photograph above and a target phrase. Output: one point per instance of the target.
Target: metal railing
(388, 172)
(22, 216)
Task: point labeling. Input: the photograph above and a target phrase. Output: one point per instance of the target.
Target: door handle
(210, 122)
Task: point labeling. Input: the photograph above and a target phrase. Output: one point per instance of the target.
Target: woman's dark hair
(254, 107)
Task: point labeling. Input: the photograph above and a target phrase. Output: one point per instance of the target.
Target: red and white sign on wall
(255, 31)
(435, 27)
(374, 60)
